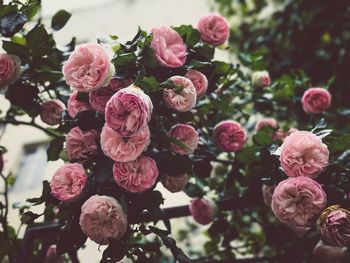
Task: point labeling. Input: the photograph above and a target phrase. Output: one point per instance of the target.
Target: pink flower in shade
(122, 149)
(10, 69)
(229, 136)
(185, 135)
(128, 111)
(168, 46)
(81, 145)
(99, 98)
(88, 68)
(333, 225)
(316, 100)
(327, 254)
(102, 217)
(74, 106)
(199, 80)
(297, 201)
(261, 79)
(303, 154)
(52, 256)
(267, 191)
(214, 29)
(136, 176)
(51, 111)
(174, 183)
(183, 100)
(280, 134)
(68, 181)
(203, 210)
(266, 122)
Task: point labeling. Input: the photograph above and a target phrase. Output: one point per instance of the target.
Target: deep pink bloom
(303, 154)
(186, 137)
(10, 69)
(214, 29)
(183, 100)
(68, 181)
(261, 79)
(122, 149)
(136, 176)
(229, 136)
(102, 217)
(266, 122)
(81, 145)
(128, 111)
(74, 106)
(169, 48)
(174, 183)
(298, 200)
(51, 111)
(199, 80)
(203, 210)
(316, 100)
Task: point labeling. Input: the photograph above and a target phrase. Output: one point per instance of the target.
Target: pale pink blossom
(51, 111)
(199, 80)
(316, 100)
(214, 29)
(203, 210)
(229, 136)
(75, 106)
(81, 145)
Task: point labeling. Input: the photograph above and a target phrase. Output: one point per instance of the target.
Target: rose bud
(51, 111)
(101, 218)
(214, 29)
(75, 106)
(99, 98)
(68, 182)
(128, 111)
(81, 145)
(333, 225)
(10, 69)
(328, 254)
(303, 154)
(122, 149)
(267, 191)
(183, 100)
(174, 183)
(297, 200)
(203, 210)
(136, 176)
(186, 135)
(199, 80)
(316, 100)
(261, 79)
(168, 46)
(88, 68)
(280, 134)
(229, 136)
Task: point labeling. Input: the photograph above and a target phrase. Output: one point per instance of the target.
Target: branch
(33, 124)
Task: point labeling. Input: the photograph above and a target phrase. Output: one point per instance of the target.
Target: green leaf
(15, 48)
(45, 194)
(31, 11)
(29, 217)
(125, 59)
(248, 154)
(262, 138)
(37, 38)
(148, 58)
(149, 84)
(190, 35)
(56, 146)
(246, 59)
(60, 19)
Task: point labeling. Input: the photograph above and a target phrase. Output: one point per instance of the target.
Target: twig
(33, 124)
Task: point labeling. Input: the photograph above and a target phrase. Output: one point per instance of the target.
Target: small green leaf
(60, 19)
(246, 59)
(56, 146)
(37, 38)
(125, 59)
(149, 84)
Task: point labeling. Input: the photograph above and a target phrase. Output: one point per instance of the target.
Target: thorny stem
(32, 123)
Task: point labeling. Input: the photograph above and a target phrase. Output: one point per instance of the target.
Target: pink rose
(261, 79)
(52, 256)
(203, 210)
(280, 134)
(99, 98)
(51, 111)
(297, 200)
(102, 217)
(303, 154)
(81, 145)
(327, 254)
(174, 183)
(88, 68)
(10, 69)
(124, 149)
(128, 111)
(267, 191)
(214, 29)
(183, 100)
(185, 135)
(199, 80)
(68, 181)
(136, 176)
(316, 100)
(333, 225)
(266, 122)
(74, 106)
(169, 48)
(229, 136)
